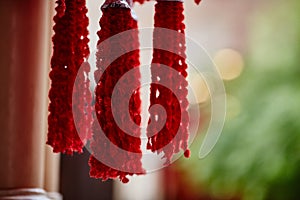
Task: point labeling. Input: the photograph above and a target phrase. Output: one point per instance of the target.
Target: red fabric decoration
(70, 51)
(116, 18)
(169, 14)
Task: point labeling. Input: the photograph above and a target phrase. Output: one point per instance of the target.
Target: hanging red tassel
(116, 18)
(174, 135)
(70, 51)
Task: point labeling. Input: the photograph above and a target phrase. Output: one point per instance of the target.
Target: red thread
(113, 21)
(70, 51)
(174, 135)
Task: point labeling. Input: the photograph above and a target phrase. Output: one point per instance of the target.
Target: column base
(24, 193)
(54, 196)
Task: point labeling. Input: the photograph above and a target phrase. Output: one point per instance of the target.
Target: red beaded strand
(116, 18)
(70, 51)
(174, 135)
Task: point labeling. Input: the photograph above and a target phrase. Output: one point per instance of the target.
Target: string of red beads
(174, 135)
(116, 18)
(70, 51)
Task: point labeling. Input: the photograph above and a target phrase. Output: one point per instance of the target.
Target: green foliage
(258, 154)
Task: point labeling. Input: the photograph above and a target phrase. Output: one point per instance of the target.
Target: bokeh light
(230, 63)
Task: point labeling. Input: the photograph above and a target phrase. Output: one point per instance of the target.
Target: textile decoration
(69, 65)
(174, 135)
(117, 18)
(70, 52)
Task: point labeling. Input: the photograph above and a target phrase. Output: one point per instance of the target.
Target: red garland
(70, 51)
(116, 18)
(176, 107)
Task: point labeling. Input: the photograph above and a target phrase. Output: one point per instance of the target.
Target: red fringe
(176, 107)
(116, 20)
(70, 51)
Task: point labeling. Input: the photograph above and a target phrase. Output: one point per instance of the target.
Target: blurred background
(256, 46)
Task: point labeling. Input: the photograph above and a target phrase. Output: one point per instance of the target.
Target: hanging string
(70, 51)
(140, 1)
(116, 18)
(174, 135)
